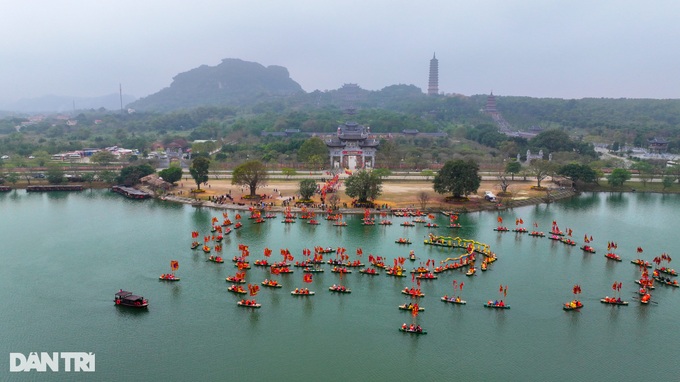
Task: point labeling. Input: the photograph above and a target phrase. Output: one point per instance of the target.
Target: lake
(64, 255)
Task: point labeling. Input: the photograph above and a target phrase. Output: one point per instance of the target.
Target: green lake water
(64, 255)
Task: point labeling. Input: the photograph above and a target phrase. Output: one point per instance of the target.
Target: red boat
(126, 298)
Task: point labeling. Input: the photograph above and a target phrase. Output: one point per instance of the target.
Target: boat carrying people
(125, 298)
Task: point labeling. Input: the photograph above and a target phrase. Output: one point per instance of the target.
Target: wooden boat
(638, 282)
(401, 240)
(369, 271)
(427, 276)
(520, 230)
(454, 300)
(261, 263)
(412, 257)
(341, 270)
(302, 292)
(246, 304)
(574, 305)
(407, 224)
(416, 293)
(206, 249)
(493, 306)
(285, 270)
(195, 245)
(313, 222)
(385, 222)
(168, 277)
(432, 225)
(613, 256)
(353, 264)
(235, 280)
(288, 221)
(216, 259)
(455, 225)
(271, 284)
(339, 289)
(568, 242)
(613, 301)
(236, 289)
(312, 270)
(420, 270)
(412, 331)
(536, 234)
(667, 281)
(667, 271)
(587, 248)
(125, 298)
(501, 229)
(641, 262)
(340, 224)
(410, 307)
(471, 271)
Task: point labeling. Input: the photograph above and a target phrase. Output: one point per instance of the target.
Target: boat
(453, 300)
(520, 230)
(536, 234)
(168, 277)
(409, 306)
(341, 270)
(125, 298)
(407, 224)
(644, 284)
(216, 259)
(613, 256)
(613, 301)
(641, 262)
(385, 222)
(568, 242)
(261, 263)
(236, 289)
(339, 289)
(667, 281)
(340, 224)
(471, 271)
(420, 270)
(369, 271)
(326, 250)
(432, 225)
(501, 229)
(455, 225)
(302, 292)
(483, 266)
(417, 330)
(496, 305)
(402, 240)
(235, 280)
(271, 283)
(413, 292)
(573, 305)
(312, 270)
(667, 271)
(249, 304)
(313, 222)
(587, 248)
(195, 245)
(426, 276)
(206, 249)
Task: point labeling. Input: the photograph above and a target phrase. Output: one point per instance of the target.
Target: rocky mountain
(232, 82)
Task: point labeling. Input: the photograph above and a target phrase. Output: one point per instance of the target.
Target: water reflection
(616, 200)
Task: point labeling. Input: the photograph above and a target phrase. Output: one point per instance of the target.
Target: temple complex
(352, 147)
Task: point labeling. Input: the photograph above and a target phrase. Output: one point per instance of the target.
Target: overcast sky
(536, 48)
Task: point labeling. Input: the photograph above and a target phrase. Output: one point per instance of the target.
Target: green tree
(251, 174)
(315, 162)
(307, 188)
(171, 175)
(513, 167)
(55, 175)
(310, 147)
(667, 182)
(131, 175)
(541, 169)
(427, 174)
(646, 172)
(199, 170)
(42, 157)
(12, 177)
(107, 176)
(288, 172)
(103, 158)
(618, 177)
(382, 172)
(578, 173)
(88, 177)
(363, 185)
(458, 177)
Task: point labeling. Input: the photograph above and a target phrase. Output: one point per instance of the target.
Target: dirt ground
(395, 194)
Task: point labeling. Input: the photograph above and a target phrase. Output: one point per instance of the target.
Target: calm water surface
(64, 255)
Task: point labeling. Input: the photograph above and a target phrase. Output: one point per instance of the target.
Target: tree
(131, 175)
(667, 182)
(423, 199)
(13, 178)
(578, 173)
(107, 176)
(315, 162)
(541, 169)
(171, 175)
(311, 147)
(103, 158)
(427, 174)
(513, 167)
(88, 177)
(382, 173)
(334, 201)
(458, 177)
(363, 185)
(250, 174)
(199, 170)
(618, 177)
(645, 172)
(307, 189)
(55, 175)
(288, 172)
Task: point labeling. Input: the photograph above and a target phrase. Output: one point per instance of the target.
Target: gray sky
(536, 48)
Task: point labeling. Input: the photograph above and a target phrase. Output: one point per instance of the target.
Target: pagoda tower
(433, 83)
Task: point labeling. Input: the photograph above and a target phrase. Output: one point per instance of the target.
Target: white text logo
(71, 361)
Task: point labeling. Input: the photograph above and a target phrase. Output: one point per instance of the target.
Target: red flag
(500, 219)
(461, 286)
(639, 249)
(505, 291)
(174, 265)
(500, 289)
(307, 278)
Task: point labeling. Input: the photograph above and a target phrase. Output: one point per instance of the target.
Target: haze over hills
(232, 82)
(57, 103)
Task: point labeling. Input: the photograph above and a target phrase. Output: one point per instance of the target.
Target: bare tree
(333, 201)
(423, 199)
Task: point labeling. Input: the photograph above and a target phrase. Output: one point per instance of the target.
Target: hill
(232, 82)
